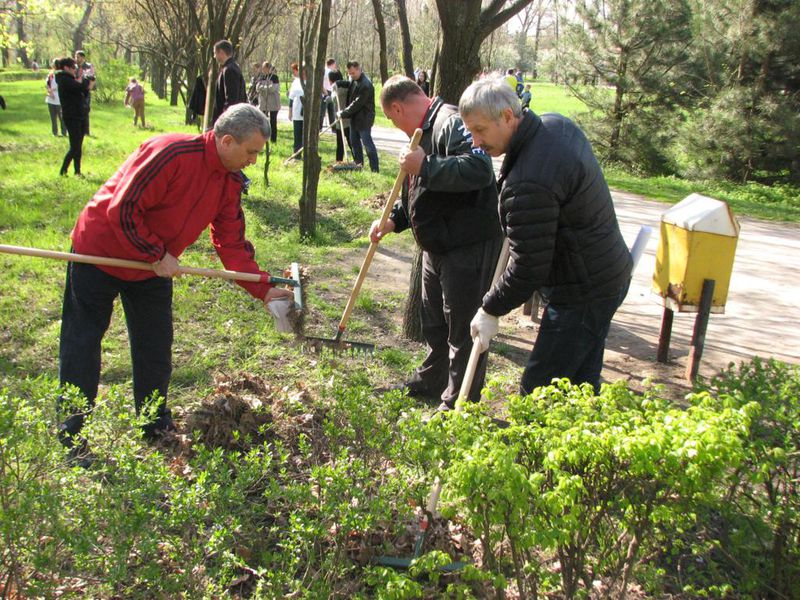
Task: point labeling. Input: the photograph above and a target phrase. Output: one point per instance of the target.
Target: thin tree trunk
(311, 160)
(380, 25)
(405, 33)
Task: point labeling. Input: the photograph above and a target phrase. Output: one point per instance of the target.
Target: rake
(436, 489)
(106, 261)
(337, 343)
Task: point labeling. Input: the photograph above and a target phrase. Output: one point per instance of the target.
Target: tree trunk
(412, 313)
(211, 90)
(460, 49)
(405, 32)
(175, 85)
(22, 50)
(380, 26)
(318, 27)
(80, 31)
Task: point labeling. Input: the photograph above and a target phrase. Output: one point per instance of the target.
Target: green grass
(218, 326)
(776, 203)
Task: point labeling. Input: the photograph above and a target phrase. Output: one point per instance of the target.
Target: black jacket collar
(527, 128)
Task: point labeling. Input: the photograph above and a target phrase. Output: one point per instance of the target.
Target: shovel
(106, 261)
(336, 342)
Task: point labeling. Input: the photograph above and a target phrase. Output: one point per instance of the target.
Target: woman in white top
(296, 107)
(53, 103)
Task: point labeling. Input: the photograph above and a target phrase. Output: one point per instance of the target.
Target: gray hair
(241, 121)
(490, 97)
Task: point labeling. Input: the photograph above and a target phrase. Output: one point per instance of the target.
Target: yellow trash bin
(698, 241)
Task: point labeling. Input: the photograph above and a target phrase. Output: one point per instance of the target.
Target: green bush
(112, 79)
(753, 531)
(589, 479)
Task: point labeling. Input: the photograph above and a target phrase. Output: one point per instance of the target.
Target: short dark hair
(329, 62)
(225, 46)
(80, 53)
(57, 63)
(67, 61)
(351, 64)
(399, 88)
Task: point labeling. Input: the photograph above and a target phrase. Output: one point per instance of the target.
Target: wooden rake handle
(144, 266)
(373, 246)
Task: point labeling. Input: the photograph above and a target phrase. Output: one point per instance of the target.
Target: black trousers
(340, 145)
(75, 130)
(298, 136)
(453, 285)
(88, 303)
(273, 123)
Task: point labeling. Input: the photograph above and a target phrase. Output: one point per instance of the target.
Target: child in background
(525, 98)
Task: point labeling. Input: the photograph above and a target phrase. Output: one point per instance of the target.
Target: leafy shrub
(112, 79)
(754, 529)
(590, 479)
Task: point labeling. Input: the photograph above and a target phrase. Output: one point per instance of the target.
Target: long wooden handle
(373, 246)
(475, 353)
(143, 266)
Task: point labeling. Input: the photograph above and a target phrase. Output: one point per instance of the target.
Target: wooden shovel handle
(373, 246)
(143, 266)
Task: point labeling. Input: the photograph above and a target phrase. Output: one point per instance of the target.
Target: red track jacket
(160, 200)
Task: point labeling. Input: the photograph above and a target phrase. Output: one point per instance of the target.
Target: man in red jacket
(157, 204)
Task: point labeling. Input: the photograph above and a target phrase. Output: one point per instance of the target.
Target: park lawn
(218, 327)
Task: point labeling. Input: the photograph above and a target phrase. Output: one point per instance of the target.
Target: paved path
(762, 316)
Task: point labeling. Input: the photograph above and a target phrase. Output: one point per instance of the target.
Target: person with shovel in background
(563, 235)
(156, 205)
(450, 202)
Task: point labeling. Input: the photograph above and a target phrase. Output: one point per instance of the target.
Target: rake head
(316, 344)
(344, 166)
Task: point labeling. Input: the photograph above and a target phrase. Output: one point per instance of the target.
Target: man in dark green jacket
(450, 204)
(563, 235)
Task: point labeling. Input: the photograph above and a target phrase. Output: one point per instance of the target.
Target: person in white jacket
(53, 103)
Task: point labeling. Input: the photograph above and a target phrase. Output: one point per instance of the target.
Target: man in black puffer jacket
(450, 203)
(564, 238)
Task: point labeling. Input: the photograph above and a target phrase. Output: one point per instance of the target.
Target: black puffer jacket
(559, 218)
(360, 103)
(453, 200)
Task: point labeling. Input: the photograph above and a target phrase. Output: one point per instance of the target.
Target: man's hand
(483, 328)
(167, 266)
(275, 293)
(376, 234)
(411, 161)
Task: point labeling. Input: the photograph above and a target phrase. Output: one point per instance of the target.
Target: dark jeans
(273, 123)
(56, 119)
(571, 343)
(331, 109)
(298, 136)
(75, 129)
(88, 303)
(453, 285)
(365, 136)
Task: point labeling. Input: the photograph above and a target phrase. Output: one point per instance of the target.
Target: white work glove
(281, 308)
(483, 328)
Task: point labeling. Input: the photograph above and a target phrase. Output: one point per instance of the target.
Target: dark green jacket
(453, 201)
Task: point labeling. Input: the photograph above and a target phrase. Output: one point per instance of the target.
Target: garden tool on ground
(436, 490)
(336, 342)
(293, 282)
(343, 166)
